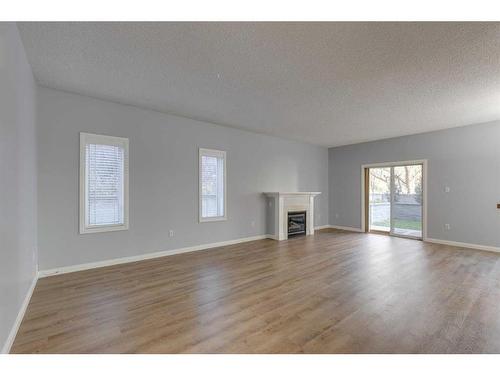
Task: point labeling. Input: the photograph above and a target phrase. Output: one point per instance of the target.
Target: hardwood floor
(334, 292)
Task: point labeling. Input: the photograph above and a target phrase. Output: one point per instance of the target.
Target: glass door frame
(392, 184)
(365, 195)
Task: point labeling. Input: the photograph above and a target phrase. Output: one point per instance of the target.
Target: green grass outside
(401, 224)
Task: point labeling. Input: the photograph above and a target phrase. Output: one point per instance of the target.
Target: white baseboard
(20, 315)
(350, 229)
(434, 240)
(136, 258)
(463, 244)
(321, 227)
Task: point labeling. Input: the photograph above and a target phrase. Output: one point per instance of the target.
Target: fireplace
(281, 204)
(297, 223)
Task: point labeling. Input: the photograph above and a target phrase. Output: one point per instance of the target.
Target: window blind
(212, 186)
(104, 185)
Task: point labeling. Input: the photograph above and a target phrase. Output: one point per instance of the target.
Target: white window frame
(217, 154)
(86, 138)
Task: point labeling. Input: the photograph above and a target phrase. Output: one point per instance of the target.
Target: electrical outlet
(336, 216)
(170, 233)
(447, 226)
(253, 223)
(447, 189)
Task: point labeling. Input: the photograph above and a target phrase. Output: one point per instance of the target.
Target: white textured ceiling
(325, 83)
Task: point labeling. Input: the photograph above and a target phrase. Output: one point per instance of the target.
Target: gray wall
(17, 178)
(163, 179)
(466, 159)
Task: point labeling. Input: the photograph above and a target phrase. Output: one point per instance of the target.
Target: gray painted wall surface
(163, 179)
(466, 159)
(17, 178)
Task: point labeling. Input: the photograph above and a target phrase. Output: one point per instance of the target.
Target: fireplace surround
(281, 203)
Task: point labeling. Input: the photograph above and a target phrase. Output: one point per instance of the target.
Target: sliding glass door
(407, 201)
(395, 200)
(380, 199)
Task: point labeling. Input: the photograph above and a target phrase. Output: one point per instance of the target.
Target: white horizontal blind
(212, 184)
(104, 185)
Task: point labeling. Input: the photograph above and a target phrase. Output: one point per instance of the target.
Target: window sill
(209, 219)
(103, 228)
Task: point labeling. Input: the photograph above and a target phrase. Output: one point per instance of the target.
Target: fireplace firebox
(297, 223)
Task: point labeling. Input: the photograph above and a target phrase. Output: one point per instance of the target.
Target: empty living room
(248, 186)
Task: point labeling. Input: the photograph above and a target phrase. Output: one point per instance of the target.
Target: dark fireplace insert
(296, 223)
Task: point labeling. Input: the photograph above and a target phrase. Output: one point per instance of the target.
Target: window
(103, 183)
(212, 185)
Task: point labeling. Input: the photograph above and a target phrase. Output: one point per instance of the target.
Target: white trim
(430, 240)
(136, 258)
(321, 227)
(106, 140)
(395, 164)
(217, 154)
(278, 193)
(290, 202)
(20, 315)
(349, 229)
(214, 218)
(464, 245)
(392, 200)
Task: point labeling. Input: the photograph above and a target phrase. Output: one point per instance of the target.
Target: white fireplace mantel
(284, 202)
